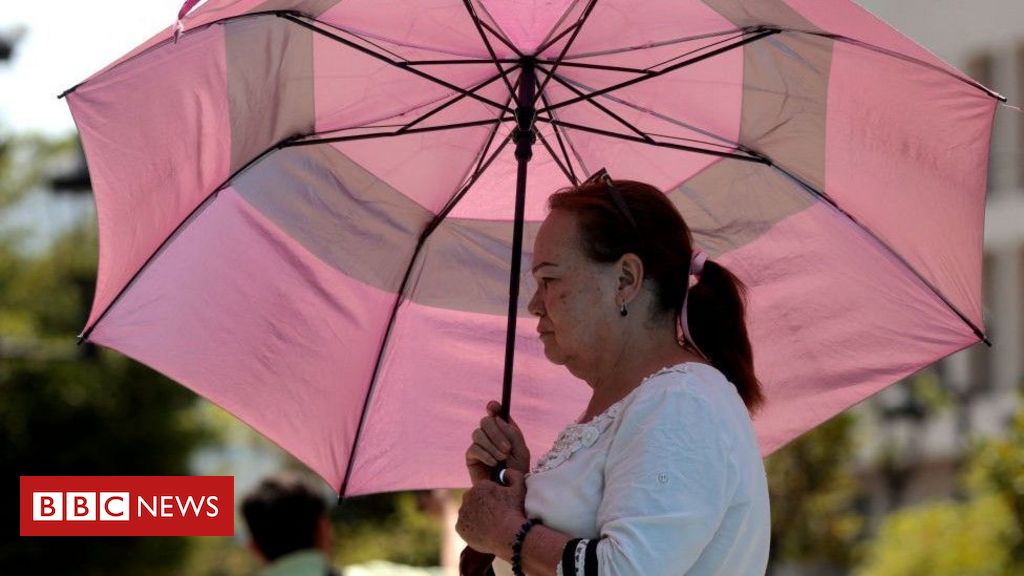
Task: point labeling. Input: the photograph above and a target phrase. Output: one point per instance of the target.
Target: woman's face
(575, 298)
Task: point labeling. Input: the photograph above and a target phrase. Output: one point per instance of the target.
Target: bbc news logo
(127, 506)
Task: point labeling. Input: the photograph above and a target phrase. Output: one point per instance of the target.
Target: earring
(622, 310)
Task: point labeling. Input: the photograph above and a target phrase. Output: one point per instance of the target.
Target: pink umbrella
(306, 208)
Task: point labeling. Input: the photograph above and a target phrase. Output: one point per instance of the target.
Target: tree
(981, 535)
(68, 410)
(813, 498)
(393, 527)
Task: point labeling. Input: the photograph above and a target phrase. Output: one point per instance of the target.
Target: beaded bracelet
(517, 545)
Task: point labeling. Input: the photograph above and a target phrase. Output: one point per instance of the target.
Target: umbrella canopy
(306, 207)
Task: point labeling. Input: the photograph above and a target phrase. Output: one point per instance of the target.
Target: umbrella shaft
(524, 137)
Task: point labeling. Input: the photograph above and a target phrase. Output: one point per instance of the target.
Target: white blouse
(669, 479)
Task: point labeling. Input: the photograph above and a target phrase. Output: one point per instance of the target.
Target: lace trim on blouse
(577, 436)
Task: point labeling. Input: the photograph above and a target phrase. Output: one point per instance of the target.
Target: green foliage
(210, 556)
(394, 527)
(813, 497)
(945, 538)
(983, 535)
(927, 388)
(69, 410)
(997, 469)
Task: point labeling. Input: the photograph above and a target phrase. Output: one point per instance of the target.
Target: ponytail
(716, 315)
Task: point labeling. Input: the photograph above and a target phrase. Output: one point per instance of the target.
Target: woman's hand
(496, 441)
(491, 514)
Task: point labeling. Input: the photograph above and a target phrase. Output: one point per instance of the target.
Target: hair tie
(697, 260)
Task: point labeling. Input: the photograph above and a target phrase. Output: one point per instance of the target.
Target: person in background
(288, 526)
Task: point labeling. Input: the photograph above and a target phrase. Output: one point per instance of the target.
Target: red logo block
(127, 506)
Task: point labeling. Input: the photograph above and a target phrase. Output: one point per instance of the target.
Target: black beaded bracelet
(517, 545)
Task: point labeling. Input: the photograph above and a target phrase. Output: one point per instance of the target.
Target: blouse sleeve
(669, 478)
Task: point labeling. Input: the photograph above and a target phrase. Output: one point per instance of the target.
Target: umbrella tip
(69, 91)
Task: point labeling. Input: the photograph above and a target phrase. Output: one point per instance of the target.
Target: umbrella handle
(499, 474)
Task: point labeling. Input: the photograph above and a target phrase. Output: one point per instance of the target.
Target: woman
(661, 474)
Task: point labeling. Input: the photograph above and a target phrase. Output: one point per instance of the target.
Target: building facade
(911, 449)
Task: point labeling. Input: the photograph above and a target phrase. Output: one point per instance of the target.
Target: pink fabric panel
(617, 24)
(442, 26)
(210, 11)
(834, 321)
(676, 95)
(916, 144)
(428, 168)
(441, 370)
(353, 89)
(248, 318)
(706, 95)
(526, 22)
(181, 156)
(493, 196)
(848, 19)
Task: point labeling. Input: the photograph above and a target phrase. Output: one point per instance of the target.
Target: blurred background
(926, 478)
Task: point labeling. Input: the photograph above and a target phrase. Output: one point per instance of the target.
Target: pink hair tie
(697, 261)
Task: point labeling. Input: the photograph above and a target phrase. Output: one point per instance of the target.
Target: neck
(641, 352)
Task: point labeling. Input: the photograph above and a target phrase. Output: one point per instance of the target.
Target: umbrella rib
(899, 56)
(741, 34)
(365, 35)
(487, 43)
(297, 142)
(551, 41)
(666, 118)
(454, 200)
(396, 64)
(460, 97)
(568, 44)
(171, 39)
(88, 330)
(286, 143)
(739, 147)
(500, 35)
(561, 145)
(374, 123)
(604, 67)
(747, 156)
(399, 298)
(599, 106)
(571, 177)
(460, 61)
(558, 136)
(831, 202)
(760, 33)
(645, 71)
(679, 40)
(497, 34)
(494, 132)
(481, 165)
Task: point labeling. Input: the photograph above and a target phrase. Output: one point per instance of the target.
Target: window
(981, 67)
(1017, 99)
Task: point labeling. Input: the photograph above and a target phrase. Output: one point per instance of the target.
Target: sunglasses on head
(602, 177)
